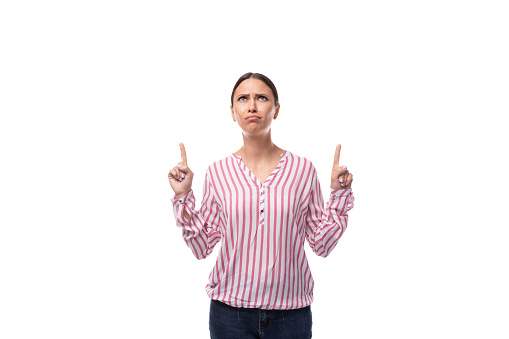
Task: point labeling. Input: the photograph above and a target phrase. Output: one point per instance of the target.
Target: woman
(261, 202)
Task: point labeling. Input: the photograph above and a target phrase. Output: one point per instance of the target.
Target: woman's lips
(253, 118)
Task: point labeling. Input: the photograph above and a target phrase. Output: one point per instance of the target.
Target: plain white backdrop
(96, 95)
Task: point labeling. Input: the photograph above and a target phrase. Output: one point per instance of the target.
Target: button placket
(262, 201)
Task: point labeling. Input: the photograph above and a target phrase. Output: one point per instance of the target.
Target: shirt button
(263, 192)
(261, 211)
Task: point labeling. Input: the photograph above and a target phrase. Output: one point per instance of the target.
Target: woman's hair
(261, 77)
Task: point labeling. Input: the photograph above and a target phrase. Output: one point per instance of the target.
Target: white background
(96, 95)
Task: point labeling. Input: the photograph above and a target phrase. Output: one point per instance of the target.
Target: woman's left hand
(341, 178)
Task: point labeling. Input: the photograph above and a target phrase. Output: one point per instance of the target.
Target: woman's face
(253, 98)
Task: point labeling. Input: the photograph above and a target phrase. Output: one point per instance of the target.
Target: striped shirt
(262, 227)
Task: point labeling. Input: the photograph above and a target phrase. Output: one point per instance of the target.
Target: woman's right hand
(180, 176)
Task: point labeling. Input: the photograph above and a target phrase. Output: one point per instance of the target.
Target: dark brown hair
(261, 77)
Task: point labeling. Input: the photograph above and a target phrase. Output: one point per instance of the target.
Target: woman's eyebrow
(258, 94)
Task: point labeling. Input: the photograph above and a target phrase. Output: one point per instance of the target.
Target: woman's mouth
(253, 117)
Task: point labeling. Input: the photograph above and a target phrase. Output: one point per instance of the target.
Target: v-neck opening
(271, 176)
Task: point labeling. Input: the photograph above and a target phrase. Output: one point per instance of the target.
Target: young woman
(261, 202)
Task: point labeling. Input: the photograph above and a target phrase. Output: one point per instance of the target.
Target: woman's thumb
(182, 167)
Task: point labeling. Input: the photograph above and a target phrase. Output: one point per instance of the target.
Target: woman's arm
(200, 229)
(326, 225)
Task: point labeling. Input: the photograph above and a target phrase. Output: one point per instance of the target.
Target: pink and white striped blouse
(262, 227)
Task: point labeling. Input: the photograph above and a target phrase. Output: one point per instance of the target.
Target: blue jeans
(228, 322)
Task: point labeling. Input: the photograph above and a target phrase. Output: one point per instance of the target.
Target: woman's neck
(259, 149)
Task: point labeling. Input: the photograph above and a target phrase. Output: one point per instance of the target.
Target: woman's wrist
(181, 195)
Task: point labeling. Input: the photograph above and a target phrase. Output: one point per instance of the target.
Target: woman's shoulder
(299, 163)
(222, 164)
(300, 158)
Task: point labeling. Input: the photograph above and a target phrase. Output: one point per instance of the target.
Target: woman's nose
(252, 105)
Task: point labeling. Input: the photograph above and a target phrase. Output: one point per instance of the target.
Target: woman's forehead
(253, 85)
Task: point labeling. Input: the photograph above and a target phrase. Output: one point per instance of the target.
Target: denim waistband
(254, 309)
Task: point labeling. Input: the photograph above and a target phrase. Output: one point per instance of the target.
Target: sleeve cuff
(182, 200)
(340, 192)
(344, 196)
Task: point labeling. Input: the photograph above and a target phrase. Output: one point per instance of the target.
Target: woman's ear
(233, 114)
(277, 111)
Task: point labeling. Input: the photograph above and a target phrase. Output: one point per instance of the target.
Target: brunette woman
(262, 202)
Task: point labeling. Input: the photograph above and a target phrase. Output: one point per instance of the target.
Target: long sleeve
(202, 232)
(326, 226)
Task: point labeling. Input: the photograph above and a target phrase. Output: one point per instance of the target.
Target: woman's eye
(263, 97)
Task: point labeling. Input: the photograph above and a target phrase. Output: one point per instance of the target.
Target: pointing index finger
(183, 153)
(336, 155)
